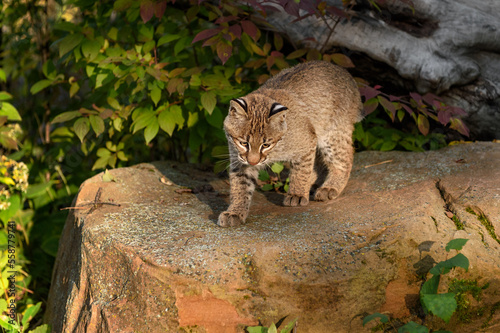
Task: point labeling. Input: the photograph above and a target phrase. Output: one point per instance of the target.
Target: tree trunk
(451, 48)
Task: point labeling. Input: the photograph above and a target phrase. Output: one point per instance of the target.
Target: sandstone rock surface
(159, 263)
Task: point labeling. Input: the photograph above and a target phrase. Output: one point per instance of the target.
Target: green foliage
(442, 305)
(375, 133)
(86, 86)
(273, 328)
(273, 181)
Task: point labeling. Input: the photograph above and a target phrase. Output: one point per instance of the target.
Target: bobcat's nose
(253, 159)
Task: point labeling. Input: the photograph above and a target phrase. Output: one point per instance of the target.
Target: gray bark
(451, 48)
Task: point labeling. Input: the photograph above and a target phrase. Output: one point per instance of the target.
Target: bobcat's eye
(244, 144)
(266, 145)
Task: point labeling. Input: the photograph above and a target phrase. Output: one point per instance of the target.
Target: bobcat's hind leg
(337, 156)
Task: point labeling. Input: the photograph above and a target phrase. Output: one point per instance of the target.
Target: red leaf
(456, 111)
(423, 124)
(211, 41)
(206, 34)
(225, 19)
(235, 30)
(407, 108)
(370, 106)
(444, 116)
(276, 54)
(250, 28)
(388, 106)
(336, 11)
(368, 92)
(147, 10)
(160, 8)
(458, 125)
(224, 51)
(430, 98)
(292, 8)
(416, 97)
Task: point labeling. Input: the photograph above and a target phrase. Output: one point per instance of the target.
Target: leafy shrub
(442, 305)
(109, 84)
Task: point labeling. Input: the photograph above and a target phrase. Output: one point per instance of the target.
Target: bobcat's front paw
(295, 200)
(228, 219)
(325, 193)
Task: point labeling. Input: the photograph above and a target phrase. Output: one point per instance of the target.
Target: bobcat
(303, 115)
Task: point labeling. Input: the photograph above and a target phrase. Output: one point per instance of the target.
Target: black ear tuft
(275, 108)
(241, 102)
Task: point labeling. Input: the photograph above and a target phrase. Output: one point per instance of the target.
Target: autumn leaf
(423, 124)
(224, 50)
(147, 10)
(342, 60)
(205, 34)
(250, 28)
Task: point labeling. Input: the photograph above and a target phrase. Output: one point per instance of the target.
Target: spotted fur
(304, 115)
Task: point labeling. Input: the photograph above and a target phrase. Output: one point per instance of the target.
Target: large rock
(159, 263)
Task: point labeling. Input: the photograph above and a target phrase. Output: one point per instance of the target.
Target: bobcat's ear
(237, 105)
(276, 108)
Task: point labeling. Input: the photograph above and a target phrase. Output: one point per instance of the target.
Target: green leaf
(272, 329)
(3, 77)
(166, 122)
(66, 116)
(69, 42)
(81, 127)
(73, 89)
(342, 60)
(113, 103)
(50, 245)
(7, 109)
(167, 38)
(456, 244)
(97, 124)
(444, 267)
(383, 318)
(30, 313)
(45, 328)
(192, 119)
(431, 286)
(15, 205)
(413, 327)
(388, 145)
(108, 177)
(99, 79)
(155, 95)
(151, 131)
(277, 167)
(90, 49)
(289, 327)
(208, 101)
(145, 118)
(5, 96)
(264, 175)
(297, 54)
(38, 189)
(3, 302)
(101, 163)
(267, 187)
(441, 305)
(257, 329)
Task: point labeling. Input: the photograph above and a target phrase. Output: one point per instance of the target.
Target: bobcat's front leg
(242, 180)
(300, 181)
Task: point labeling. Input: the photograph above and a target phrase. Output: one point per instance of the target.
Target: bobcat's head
(255, 124)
